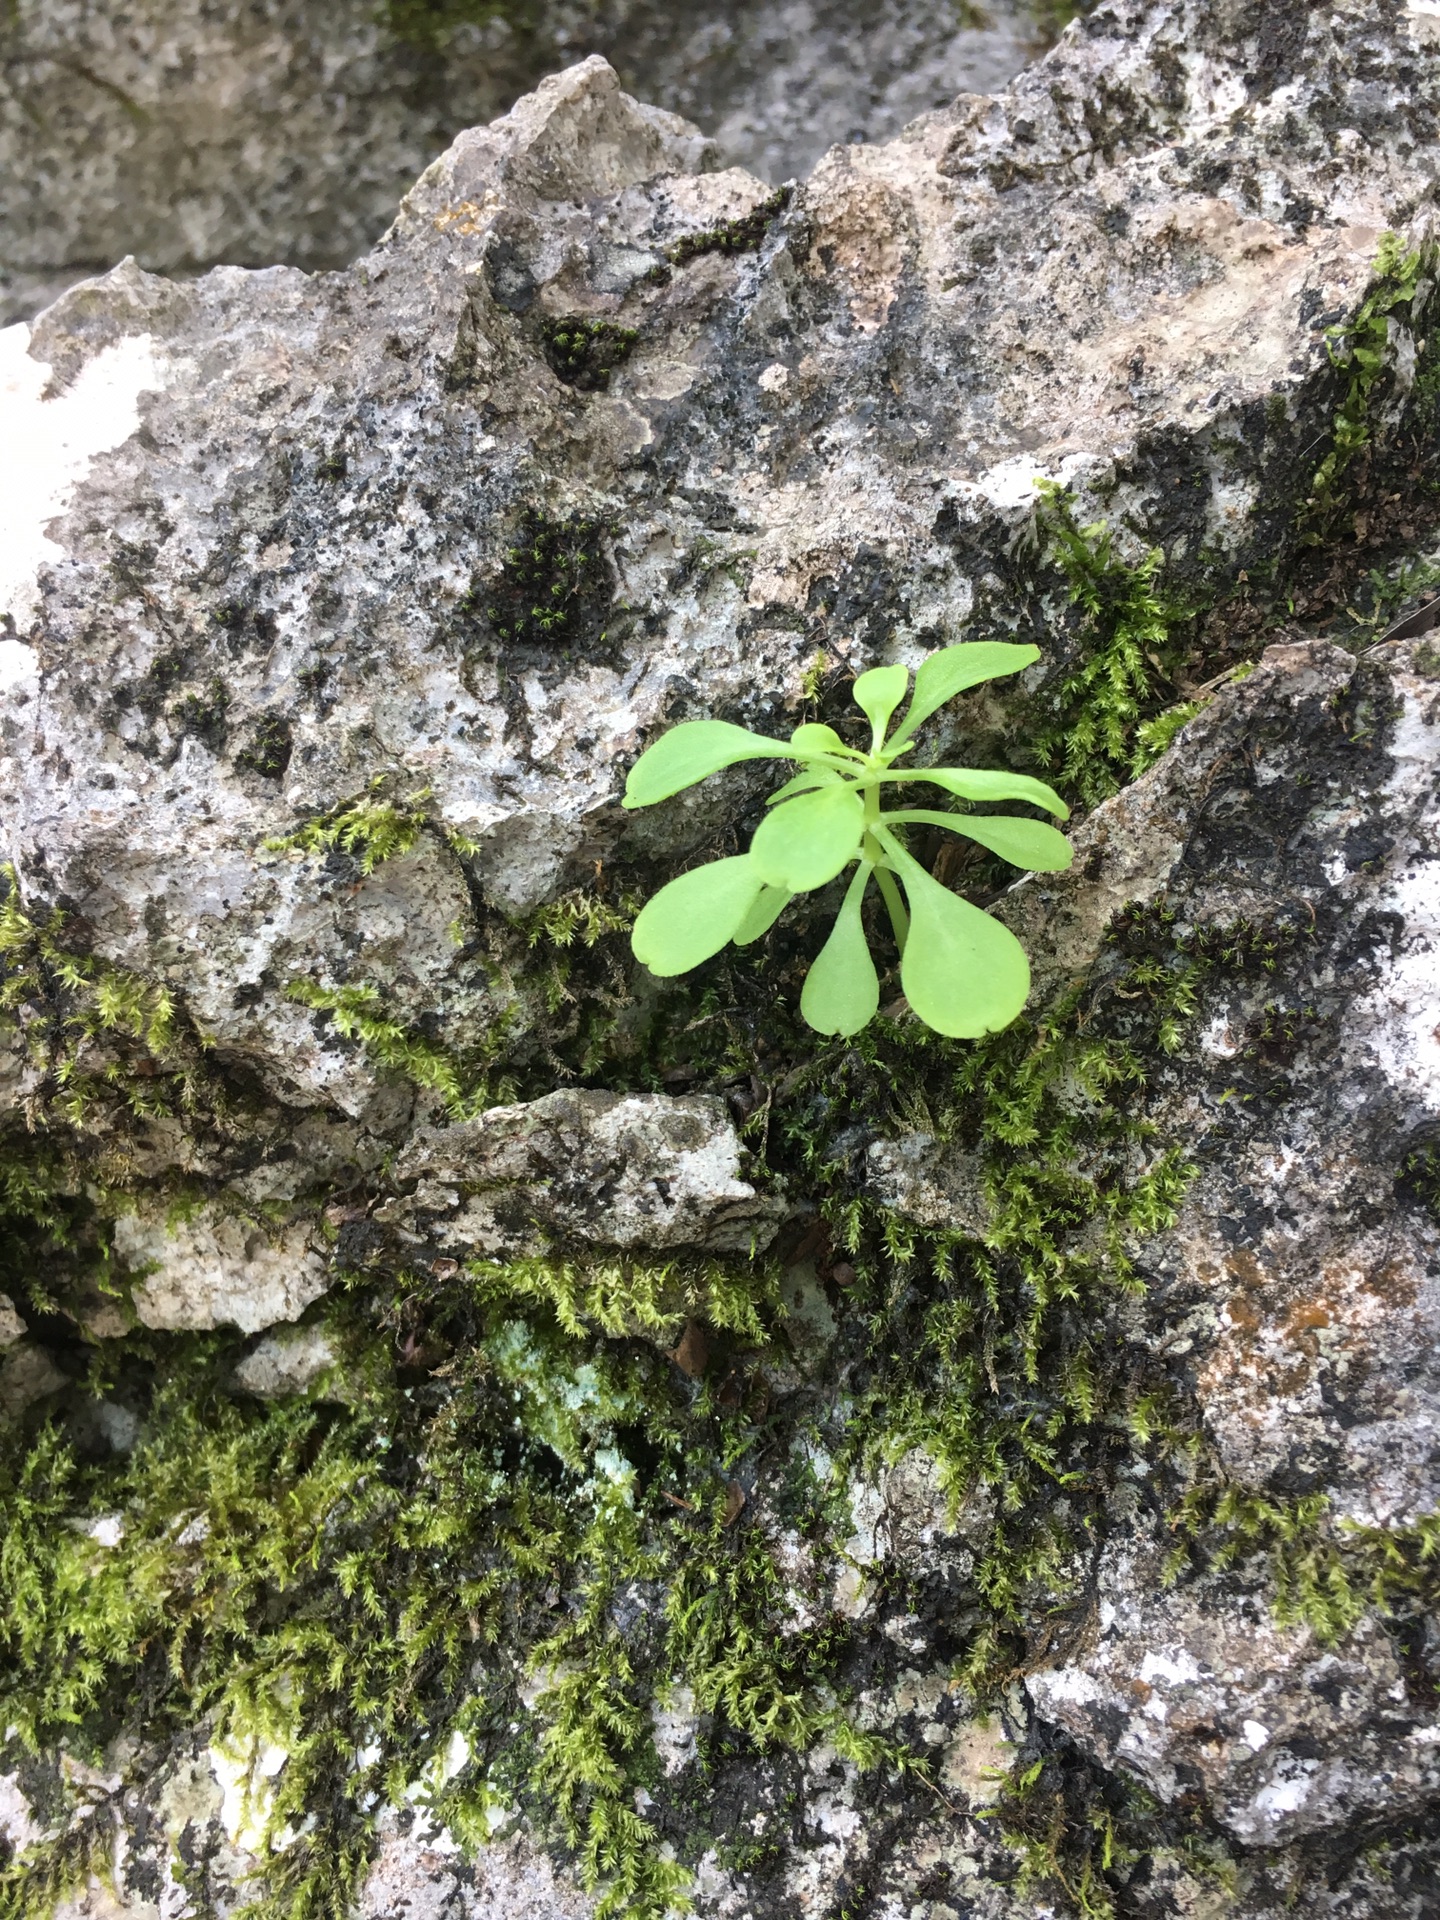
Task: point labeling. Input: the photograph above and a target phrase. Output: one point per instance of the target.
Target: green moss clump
(555, 588)
(746, 234)
(584, 352)
(205, 715)
(431, 24)
(267, 752)
(1105, 723)
(369, 829)
(1360, 351)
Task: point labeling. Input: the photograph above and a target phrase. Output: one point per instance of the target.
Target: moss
(1360, 350)
(358, 1012)
(371, 830)
(584, 352)
(745, 234)
(1419, 1180)
(431, 24)
(1320, 1576)
(205, 716)
(1104, 723)
(554, 588)
(267, 751)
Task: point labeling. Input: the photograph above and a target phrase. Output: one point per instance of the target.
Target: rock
(188, 134)
(212, 1269)
(1295, 1296)
(319, 519)
(323, 683)
(289, 1361)
(601, 1169)
(1202, 1691)
(12, 1327)
(27, 1375)
(932, 1185)
(420, 1873)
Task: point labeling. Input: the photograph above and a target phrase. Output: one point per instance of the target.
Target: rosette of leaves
(963, 973)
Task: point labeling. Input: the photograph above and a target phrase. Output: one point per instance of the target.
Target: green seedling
(963, 973)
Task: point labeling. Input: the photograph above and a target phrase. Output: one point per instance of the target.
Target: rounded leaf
(984, 783)
(950, 671)
(813, 737)
(770, 903)
(689, 753)
(963, 973)
(809, 839)
(803, 782)
(692, 918)
(842, 989)
(878, 693)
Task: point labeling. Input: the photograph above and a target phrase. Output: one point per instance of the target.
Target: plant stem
(899, 918)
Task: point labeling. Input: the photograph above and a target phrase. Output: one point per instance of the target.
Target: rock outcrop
(1036, 1510)
(193, 135)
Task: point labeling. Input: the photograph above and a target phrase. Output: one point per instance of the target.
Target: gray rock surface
(833, 437)
(193, 134)
(603, 1169)
(1192, 1690)
(282, 566)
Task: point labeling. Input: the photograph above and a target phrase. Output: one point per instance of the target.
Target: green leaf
(841, 990)
(692, 918)
(950, 671)
(691, 751)
(963, 973)
(805, 781)
(770, 903)
(809, 839)
(981, 783)
(878, 693)
(1024, 843)
(813, 738)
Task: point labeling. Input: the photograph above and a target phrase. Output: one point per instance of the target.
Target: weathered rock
(604, 1169)
(1195, 1690)
(212, 1269)
(290, 1360)
(1297, 1293)
(343, 504)
(933, 1185)
(832, 435)
(190, 135)
(12, 1327)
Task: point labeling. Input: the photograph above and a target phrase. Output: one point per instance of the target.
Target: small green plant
(963, 973)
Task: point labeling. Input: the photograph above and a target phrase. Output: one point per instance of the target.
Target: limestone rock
(319, 574)
(189, 133)
(290, 1360)
(12, 1327)
(310, 568)
(213, 1268)
(1198, 1690)
(604, 1169)
(933, 1185)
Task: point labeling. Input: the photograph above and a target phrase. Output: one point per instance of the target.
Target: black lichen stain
(584, 352)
